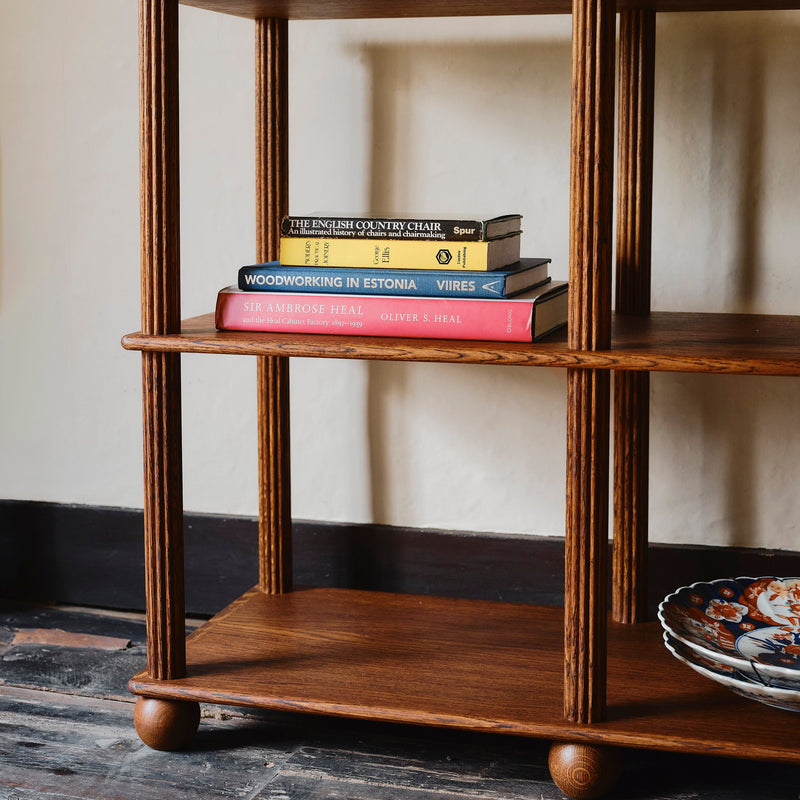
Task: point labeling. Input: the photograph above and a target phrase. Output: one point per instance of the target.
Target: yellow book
(400, 253)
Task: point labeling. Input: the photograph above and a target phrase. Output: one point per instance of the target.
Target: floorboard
(66, 732)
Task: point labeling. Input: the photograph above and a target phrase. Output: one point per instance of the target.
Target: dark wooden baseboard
(93, 556)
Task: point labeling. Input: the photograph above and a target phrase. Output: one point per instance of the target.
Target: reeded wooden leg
(635, 160)
(163, 516)
(272, 191)
(161, 376)
(588, 391)
(275, 521)
(632, 389)
(586, 546)
(582, 770)
(166, 724)
(631, 467)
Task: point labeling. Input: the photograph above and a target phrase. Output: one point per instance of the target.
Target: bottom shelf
(465, 664)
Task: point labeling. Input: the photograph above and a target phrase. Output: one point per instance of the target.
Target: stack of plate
(741, 632)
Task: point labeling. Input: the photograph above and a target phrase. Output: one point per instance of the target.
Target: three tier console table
(587, 677)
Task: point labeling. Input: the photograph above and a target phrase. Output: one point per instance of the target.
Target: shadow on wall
(1, 223)
(734, 466)
(719, 137)
(737, 128)
(447, 120)
(727, 111)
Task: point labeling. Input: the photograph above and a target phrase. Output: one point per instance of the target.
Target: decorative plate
(751, 624)
(731, 678)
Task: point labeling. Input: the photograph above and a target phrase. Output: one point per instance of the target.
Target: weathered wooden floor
(66, 732)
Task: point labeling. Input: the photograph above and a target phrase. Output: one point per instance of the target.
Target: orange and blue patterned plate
(733, 679)
(748, 624)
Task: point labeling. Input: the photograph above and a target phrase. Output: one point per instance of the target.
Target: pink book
(523, 318)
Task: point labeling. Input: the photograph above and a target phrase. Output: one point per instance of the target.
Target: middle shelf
(756, 344)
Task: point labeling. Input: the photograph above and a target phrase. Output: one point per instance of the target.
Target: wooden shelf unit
(578, 675)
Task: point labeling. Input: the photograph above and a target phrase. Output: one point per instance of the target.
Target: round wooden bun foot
(583, 771)
(166, 724)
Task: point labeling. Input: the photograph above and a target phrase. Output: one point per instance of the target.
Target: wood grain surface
(584, 771)
(631, 413)
(589, 328)
(591, 175)
(159, 178)
(470, 664)
(739, 344)
(166, 724)
(272, 202)
(161, 374)
(586, 546)
(636, 104)
(354, 9)
(637, 40)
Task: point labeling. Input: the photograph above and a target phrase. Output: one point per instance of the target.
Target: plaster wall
(465, 115)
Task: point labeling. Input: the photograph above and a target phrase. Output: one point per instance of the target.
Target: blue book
(276, 277)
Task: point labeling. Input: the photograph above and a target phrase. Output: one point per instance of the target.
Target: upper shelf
(741, 344)
(363, 9)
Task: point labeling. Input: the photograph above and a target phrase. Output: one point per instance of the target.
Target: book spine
(432, 283)
(410, 317)
(455, 230)
(394, 253)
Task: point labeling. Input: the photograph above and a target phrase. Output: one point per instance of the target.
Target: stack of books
(404, 277)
